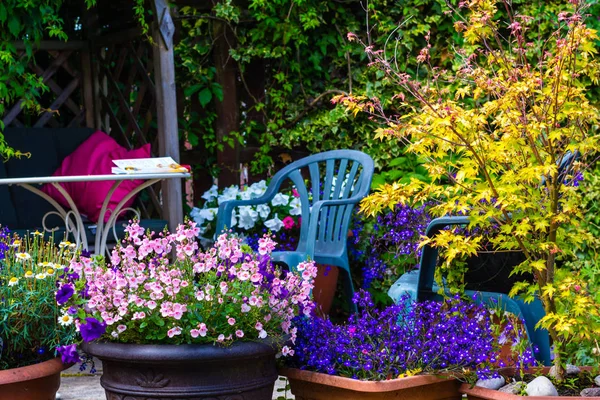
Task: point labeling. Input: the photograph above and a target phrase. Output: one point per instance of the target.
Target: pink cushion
(94, 157)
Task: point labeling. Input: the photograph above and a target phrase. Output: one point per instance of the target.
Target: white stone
(590, 392)
(571, 370)
(541, 386)
(597, 380)
(513, 388)
(494, 383)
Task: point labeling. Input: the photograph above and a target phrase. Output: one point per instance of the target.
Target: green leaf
(14, 26)
(2, 14)
(205, 96)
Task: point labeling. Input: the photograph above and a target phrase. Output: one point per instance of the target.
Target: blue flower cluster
(391, 244)
(378, 344)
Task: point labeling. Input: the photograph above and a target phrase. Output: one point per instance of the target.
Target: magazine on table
(155, 165)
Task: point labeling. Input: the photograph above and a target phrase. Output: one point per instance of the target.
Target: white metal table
(78, 228)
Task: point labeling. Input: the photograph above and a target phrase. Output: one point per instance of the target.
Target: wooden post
(227, 110)
(166, 108)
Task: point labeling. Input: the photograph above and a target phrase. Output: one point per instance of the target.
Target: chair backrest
(331, 175)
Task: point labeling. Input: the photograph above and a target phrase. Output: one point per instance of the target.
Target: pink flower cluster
(162, 288)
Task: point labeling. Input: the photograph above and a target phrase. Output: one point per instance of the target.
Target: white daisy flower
(65, 320)
(23, 256)
(13, 281)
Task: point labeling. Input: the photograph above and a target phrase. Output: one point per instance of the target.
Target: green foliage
(28, 21)
(494, 133)
(29, 316)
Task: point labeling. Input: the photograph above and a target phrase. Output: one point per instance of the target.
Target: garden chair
(420, 285)
(329, 184)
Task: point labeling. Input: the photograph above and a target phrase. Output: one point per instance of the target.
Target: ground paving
(84, 386)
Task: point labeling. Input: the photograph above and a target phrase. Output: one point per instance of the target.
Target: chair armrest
(314, 219)
(430, 254)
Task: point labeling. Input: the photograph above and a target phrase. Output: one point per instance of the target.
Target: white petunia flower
(257, 189)
(208, 213)
(263, 210)
(274, 224)
(246, 195)
(247, 217)
(280, 200)
(211, 193)
(229, 193)
(295, 205)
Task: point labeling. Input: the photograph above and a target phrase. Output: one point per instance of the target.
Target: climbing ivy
(26, 22)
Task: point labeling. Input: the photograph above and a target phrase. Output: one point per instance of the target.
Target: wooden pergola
(110, 77)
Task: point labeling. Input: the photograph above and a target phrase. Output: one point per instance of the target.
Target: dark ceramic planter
(307, 385)
(244, 370)
(33, 382)
(479, 393)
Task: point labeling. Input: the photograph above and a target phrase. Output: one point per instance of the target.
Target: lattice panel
(127, 101)
(60, 70)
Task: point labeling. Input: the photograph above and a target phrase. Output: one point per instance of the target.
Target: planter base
(242, 371)
(307, 385)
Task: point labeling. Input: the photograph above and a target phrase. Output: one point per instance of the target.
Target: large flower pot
(244, 370)
(479, 393)
(307, 385)
(33, 382)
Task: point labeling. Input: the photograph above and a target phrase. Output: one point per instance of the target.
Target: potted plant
(190, 325)
(33, 327)
(407, 350)
(282, 218)
(505, 137)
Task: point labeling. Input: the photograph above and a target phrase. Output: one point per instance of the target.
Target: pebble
(597, 380)
(513, 388)
(571, 370)
(494, 383)
(541, 386)
(590, 392)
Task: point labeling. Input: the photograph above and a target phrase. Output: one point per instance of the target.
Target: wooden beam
(89, 102)
(227, 120)
(55, 45)
(118, 37)
(166, 108)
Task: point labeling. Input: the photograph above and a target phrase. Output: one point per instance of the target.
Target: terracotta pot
(244, 370)
(478, 393)
(325, 286)
(33, 382)
(307, 385)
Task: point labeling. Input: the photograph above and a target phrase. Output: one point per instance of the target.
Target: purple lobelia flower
(378, 344)
(64, 293)
(68, 354)
(92, 329)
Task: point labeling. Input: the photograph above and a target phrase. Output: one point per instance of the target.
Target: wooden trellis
(115, 81)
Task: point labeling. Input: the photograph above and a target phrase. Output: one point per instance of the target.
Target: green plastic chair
(420, 285)
(329, 185)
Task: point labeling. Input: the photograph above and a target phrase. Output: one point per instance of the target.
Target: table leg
(103, 229)
(78, 230)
